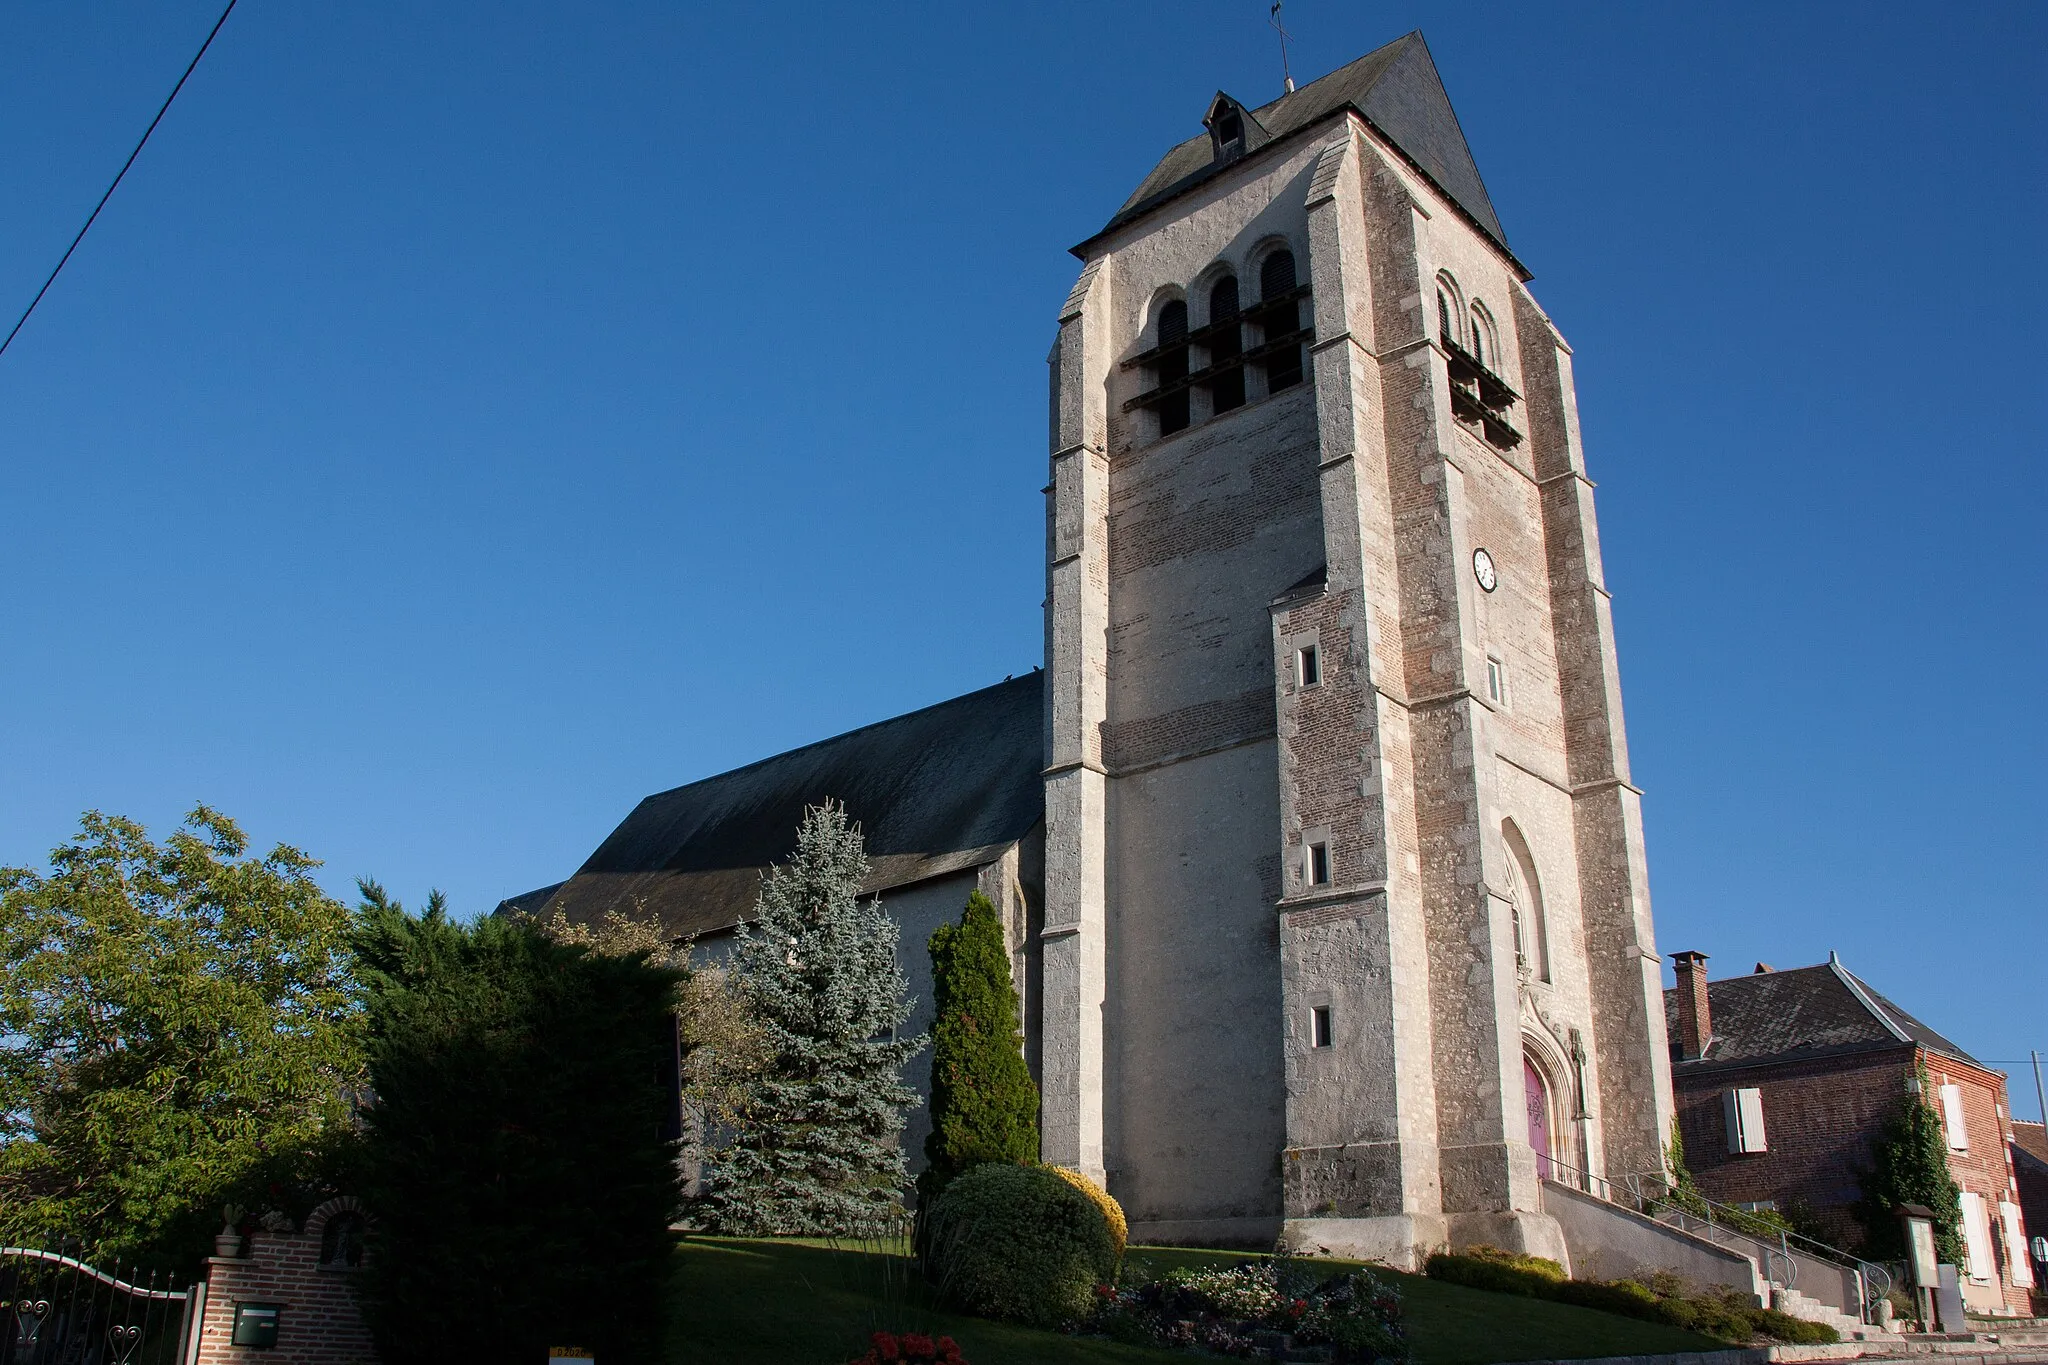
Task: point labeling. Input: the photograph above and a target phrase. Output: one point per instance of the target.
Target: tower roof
(1803, 1012)
(936, 791)
(1398, 91)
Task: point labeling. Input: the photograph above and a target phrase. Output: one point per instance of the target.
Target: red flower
(885, 1346)
(916, 1344)
(949, 1352)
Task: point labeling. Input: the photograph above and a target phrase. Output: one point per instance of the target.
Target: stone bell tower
(1347, 932)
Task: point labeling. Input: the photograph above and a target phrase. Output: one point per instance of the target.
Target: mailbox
(256, 1324)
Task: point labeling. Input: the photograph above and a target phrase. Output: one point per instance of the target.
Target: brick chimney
(1695, 1018)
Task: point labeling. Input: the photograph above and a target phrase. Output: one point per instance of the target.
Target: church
(1315, 838)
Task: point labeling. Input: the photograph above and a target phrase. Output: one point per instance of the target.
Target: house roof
(1801, 1013)
(1399, 92)
(2031, 1138)
(936, 791)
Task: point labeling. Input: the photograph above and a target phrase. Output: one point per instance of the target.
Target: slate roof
(1399, 92)
(1801, 1013)
(936, 791)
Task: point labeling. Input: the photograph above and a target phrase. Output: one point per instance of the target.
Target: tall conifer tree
(819, 1153)
(984, 1106)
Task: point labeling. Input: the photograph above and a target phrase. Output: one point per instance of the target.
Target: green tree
(983, 1106)
(515, 1158)
(722, 1046)
(820, 1150)
(1910, 1166)
(175, 1035)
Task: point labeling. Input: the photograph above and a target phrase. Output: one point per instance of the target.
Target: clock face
(1482, 569)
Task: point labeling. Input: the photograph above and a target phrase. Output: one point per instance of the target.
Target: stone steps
(1813, 1310)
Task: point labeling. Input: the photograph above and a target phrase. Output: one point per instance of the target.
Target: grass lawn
(804, 1303)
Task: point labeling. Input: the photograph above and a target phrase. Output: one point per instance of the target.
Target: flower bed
(1264, 1308)
(910, 1348)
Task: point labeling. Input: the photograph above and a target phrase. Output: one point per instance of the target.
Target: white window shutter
(1743, 1113)
(1952, 1118)
(2019, 1269)
(1749, 1105)
(1976, 1237)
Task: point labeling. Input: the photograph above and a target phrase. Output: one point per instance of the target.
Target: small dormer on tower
(1232, 129)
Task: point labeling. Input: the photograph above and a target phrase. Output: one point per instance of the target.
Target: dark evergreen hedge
(514, 1160)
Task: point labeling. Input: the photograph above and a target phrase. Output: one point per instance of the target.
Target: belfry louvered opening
(1223, 339)
(1232, 341)
(1279, 322)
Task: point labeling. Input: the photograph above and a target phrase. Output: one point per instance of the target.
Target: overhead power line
(94, 217)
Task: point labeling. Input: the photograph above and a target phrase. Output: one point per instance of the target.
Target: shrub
(1113, 1212)
(1019, 1242)
(1661, 1297)
(1503, 1272)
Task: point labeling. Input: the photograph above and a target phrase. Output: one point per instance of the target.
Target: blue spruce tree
(819, 1152)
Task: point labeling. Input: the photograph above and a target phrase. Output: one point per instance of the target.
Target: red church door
(1538, 1098)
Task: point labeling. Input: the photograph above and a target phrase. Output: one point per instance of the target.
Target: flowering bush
(1256, 1307)
(911, 1348)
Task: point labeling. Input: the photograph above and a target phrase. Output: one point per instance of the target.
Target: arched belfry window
(1170, 368)
(1224, 340)
(1485, 343)
(1279, 319)
(1525, 906)
(1479, 396)
(1450, 308)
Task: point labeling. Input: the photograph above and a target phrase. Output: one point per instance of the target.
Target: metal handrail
(1874, 1281)
(1777, 1261)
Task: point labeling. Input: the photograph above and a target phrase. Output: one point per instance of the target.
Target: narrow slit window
(1308, 665)
(1496, 682)
(1319, 1027)
(1279, 318)
(1226, 344)
(1172, 365)
(1319, 864)
(1443, 317)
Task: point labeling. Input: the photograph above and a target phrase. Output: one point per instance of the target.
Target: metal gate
(57, 1310)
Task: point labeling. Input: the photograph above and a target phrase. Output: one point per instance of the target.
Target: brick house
(2030, 1169)
(1783, 1080)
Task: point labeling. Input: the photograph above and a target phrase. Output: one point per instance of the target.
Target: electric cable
(94, 217)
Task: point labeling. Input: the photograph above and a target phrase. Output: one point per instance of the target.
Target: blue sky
(470, 418)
